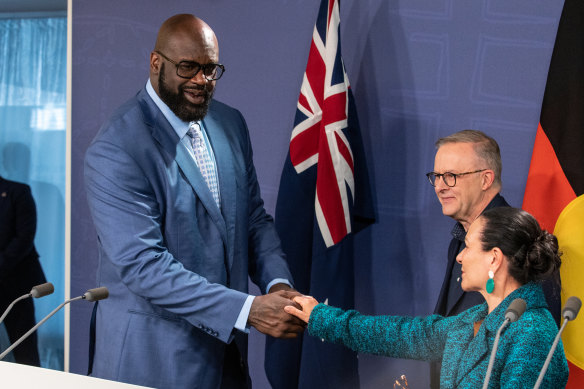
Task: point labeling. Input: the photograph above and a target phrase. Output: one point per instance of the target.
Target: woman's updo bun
(532, 252)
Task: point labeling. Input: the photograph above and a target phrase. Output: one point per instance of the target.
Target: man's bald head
(188, 40)
(183, 26)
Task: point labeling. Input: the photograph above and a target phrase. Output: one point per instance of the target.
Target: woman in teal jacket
(506, 255)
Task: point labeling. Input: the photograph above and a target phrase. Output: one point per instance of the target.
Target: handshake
(282, 313)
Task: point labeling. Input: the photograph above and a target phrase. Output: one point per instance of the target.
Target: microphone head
(96, 294)
(515, 310)
(42, 290)
(571, 308)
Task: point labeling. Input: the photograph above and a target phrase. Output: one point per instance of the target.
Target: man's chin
(191, 112)
(447, 211)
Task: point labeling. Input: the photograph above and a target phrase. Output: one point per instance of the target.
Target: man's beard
(178, 103)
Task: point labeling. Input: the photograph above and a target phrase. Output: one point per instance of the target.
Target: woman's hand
(306, 302)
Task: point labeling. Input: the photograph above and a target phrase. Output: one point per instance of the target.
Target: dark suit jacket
(20, 268)
(175, 264)
(462, 300)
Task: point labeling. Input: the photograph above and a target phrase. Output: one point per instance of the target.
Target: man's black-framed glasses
(189, 69)
(448, 177)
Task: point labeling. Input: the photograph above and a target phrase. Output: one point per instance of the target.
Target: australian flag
(324, 198)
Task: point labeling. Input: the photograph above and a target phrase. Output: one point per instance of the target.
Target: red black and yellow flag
(555, 186)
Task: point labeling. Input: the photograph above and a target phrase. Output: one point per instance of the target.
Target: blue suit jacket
(523, 346)
(175, 265)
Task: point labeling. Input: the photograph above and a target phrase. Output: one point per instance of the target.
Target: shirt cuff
(278, 281)
(241, 323)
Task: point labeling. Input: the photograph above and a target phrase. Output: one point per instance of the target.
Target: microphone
(569, 313)
(512, 314)
(91, 295)
(36, 292)
(96, 294)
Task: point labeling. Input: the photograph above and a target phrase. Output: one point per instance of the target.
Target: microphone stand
(12, 304)
(36, 292)
(33, 329)
(494, 352)
(549, 356)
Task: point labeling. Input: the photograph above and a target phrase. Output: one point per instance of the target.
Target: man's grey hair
(485, 147)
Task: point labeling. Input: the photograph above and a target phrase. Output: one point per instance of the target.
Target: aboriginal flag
(555, 185)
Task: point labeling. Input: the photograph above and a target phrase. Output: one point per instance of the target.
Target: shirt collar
(458, 232)
(179, 126)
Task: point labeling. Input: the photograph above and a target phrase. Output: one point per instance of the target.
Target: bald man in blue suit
(176, 259)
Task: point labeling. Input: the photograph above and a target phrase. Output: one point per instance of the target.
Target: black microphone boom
(512, 314)
(36, 292)
(91, 295)
(569, 313)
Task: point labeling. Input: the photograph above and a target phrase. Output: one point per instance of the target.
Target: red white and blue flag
(318, 137)
(324, 198)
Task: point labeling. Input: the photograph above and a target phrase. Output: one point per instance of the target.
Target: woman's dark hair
(532, 252)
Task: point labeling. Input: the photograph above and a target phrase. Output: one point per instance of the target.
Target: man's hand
(268, 317)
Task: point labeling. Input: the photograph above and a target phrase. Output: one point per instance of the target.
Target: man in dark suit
(20, 268)
(181, 226)
(467, 181)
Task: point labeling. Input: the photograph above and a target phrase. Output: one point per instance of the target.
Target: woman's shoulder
(536, 323)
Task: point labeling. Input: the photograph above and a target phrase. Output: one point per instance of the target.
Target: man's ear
(154, 63)
(488, 178)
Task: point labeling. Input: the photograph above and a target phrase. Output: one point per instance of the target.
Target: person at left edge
(20, 268)
(175, 262)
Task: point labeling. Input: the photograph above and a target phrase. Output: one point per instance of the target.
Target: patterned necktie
(204, 161)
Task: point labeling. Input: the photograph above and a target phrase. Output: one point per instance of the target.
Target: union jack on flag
(321, 118)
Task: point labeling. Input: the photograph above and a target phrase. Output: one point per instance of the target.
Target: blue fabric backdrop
(418, 69)
(33, 80)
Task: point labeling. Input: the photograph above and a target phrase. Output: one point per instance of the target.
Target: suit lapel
(226, 175)
(466, 350)
(476, 352)
(197, 182)
(457, 293)
(163, 132)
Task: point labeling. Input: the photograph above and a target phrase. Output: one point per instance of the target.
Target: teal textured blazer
(523, 346)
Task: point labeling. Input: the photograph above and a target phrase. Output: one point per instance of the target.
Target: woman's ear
(497, 259)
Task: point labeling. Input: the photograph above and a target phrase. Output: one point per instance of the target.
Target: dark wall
(419, 70)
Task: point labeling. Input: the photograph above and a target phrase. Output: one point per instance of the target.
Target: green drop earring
(491, 282)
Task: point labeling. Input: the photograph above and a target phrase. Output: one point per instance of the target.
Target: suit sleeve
(266, 258)
(129, 224)
(22, 242)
